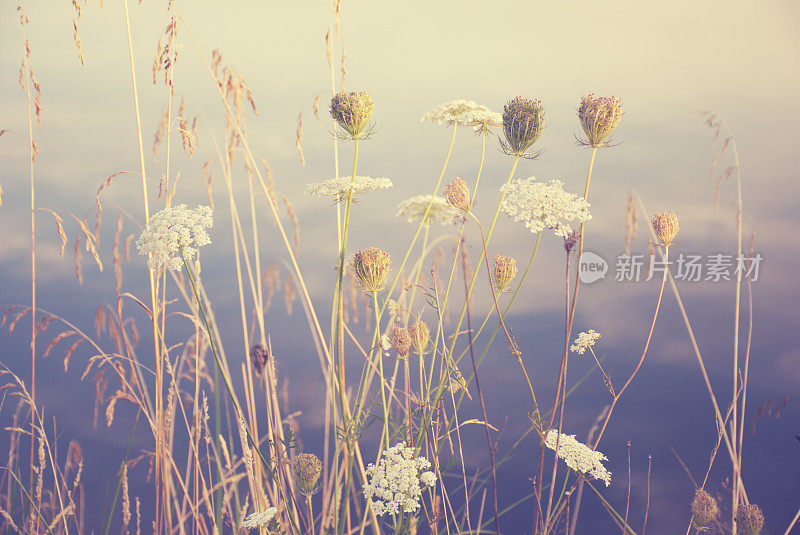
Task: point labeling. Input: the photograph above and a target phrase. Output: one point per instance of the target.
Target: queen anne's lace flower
(577, 456)
(257, 520)
(584, 341)
(462, 112)
(540, 205)
(394, 484)
(342, 186)
(414, 208)
(172, 232)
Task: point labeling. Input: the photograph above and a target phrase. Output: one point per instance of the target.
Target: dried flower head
(173, 232)
(371, 267)
(395, 484)
(540, 205)
(352, 111)
(440, 211)
(259, 356)
(749, 519)
(461, 112)
(307, 468)
(570, 240)
(420, 334)
(457, 194)
(340, 188)
(400, 339)
(259, 520)
(584, 341)
(577, 456)
(704, 509)
(665, 225)
(505, 269)
(523, 124)
(599, 117)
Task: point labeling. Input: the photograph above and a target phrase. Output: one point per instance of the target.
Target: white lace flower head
(440, 212)
(395, 484)
(172, 232)
(584, 341)
(541, 205)
(257, 520)
(342, 186)
(462, 112)
(577, 456)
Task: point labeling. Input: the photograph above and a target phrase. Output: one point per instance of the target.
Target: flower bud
(505, 269)
(457, 194)
(599, 117)
(307, 467)
(665, 225)
(704, 509)
(371, 267)
(749, 519)
(420, 334)
(523, 123)
(400, 339)
(352, 111)
(570, 240)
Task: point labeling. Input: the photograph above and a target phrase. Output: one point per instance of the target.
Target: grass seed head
(704, 509)
(505, 269)
(523, 124)
(599, 117)
(352, 111)
(371, 267)
(665, 225)
(749, 519)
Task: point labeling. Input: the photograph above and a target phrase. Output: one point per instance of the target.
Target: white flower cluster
(584, 341)
(464, 113)
(394, 484)
(541, 205)
(578, 456)
(342, 186)
(173, 230)
(414, 208)
(257, 520)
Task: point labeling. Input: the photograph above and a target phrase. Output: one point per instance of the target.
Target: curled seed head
(704, 509)
(307, 467)
(400, 339)
(371, 267)
(352, 111)
(259, 357)
(665, 224)
(523, 123)
(457, 194)
(599, 117)
(505, 269)
(749, 519)
(420, 334)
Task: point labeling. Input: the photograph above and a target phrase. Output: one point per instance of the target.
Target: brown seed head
(704, 509)
(259, 357)
(307, 468)
(400, 339)
(352, 111)
(371, 267)
(420, 334)
(523, 124)
(599, 117)
(749, 519)
(505, 269)
(665, 225)
(457, 194)
(570, 240)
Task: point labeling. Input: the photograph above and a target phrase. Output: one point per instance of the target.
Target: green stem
(119, 481)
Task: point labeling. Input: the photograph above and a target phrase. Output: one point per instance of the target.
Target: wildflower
(540, 205)
(307, 468)
(665, 225)
(257, 520)
(577, 456)
(173, 232)
(400, 339)
(704, 509)
(259, 357)
(599, 117)
(505, 269)
(371, 267)
(395, 484)
(749, 519)
(352, 111)
(393, 307)
(584, 341)
(464, 113)
(386, 344)
(523, 124)
(341, 187)
(420, 334)
(440, 211)
(457, 194)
